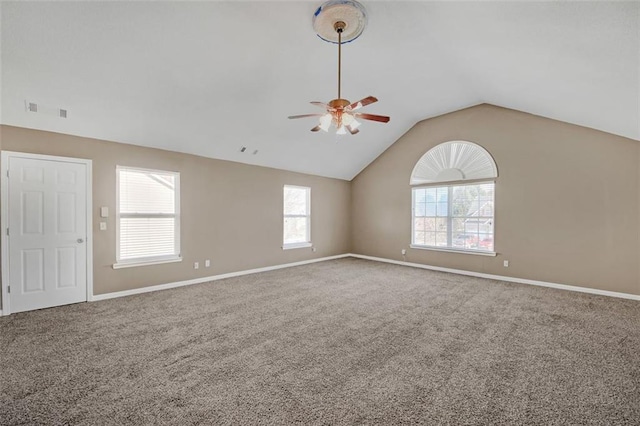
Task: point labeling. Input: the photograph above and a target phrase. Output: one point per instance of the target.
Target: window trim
(299, 244)
(148, 260)
(452, 249)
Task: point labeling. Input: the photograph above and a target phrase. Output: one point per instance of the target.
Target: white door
(47, 227)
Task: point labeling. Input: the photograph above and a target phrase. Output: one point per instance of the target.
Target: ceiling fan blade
(351, 130)
(320, 104)
(363, 103)
(315, 129)
(305, 116)
(373, 117)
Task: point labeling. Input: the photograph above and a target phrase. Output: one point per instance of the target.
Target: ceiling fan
(343, 114)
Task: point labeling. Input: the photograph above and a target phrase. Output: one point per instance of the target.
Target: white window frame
(450, 185)
(307, 243)
(149, 260)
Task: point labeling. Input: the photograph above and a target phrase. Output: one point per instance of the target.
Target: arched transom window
(453, 199)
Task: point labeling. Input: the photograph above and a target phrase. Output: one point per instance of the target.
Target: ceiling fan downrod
(339, 27)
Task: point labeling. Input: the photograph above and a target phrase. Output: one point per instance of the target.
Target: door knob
(80, 240)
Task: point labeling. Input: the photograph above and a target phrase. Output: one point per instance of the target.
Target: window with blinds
(148, 216)
(297, 217)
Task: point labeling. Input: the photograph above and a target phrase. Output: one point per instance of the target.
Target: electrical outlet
(103, 226)
(404, 251)
(196, 265)
(506, 263)
(313, 249)
(207, 263)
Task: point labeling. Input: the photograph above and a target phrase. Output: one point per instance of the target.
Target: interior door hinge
(8, 289)
(7, 172)
(7, 231)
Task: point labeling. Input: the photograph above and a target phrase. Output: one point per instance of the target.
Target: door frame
(5, 156)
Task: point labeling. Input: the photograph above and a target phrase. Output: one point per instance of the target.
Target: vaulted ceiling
(210, 78)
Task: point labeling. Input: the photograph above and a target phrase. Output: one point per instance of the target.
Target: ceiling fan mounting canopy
(350, 12)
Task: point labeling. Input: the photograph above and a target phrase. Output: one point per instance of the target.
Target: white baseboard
(503, 278)
(177, 284)
(141, 290)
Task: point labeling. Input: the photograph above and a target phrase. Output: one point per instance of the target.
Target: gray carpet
(339, 342)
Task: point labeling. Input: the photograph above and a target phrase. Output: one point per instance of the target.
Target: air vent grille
(45, 109)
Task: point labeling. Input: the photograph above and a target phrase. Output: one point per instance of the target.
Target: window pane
(430, 238)
(486, 242)
(430, 224)
(441, 224)
(420, 209)
(295, 200)
(418, 224)
(147, 237)
(418, 237)
(443, 201)
(441, 239)
(295, 230)
(147, 192)
(457, 226)
(443, 209)
(430, 195)
(430, 209)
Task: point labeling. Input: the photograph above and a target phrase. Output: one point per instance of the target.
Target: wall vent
(46, 110)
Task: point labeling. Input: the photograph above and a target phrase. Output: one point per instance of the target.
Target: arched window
(448, 212)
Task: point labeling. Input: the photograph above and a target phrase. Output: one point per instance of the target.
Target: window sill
(145, 263)
(296, 245)
(460, 251)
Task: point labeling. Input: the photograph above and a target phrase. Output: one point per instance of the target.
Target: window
(297, 217)
(448, 213)
(456, 217)
(148, 217)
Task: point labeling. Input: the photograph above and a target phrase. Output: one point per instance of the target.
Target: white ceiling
(209, 78)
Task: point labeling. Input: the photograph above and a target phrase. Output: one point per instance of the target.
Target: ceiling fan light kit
(339, 22)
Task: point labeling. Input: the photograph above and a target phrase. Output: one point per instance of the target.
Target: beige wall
(231, 212)
(567, 199)
(567, 203)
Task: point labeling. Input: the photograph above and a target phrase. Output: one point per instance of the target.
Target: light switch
(103, 226)
(104, 212)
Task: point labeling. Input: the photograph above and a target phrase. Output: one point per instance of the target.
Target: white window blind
(148, 215)
(457, 217)
(297, 216)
